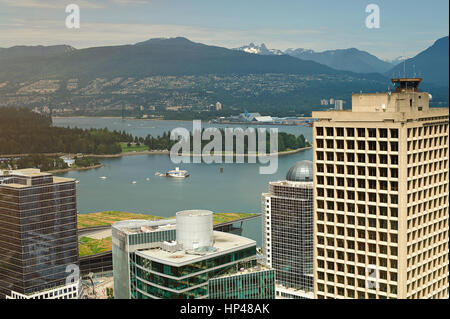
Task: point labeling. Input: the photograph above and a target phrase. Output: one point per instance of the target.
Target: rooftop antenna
(404, 66)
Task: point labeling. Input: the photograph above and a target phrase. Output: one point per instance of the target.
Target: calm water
(155, 128)
(237, 189)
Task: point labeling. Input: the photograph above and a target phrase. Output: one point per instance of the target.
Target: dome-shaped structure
(300, 172)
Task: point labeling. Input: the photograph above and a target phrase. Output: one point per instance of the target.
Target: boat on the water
(177, 173)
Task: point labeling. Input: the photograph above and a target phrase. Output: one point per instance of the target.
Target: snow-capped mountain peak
(259, 49)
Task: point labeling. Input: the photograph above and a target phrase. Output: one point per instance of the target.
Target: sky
(406, 27)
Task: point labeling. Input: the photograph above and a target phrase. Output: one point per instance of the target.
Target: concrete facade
(381, 197)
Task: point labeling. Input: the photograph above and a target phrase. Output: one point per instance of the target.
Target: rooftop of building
(372, 116)
(293, 184)
(6, 176)
(136, 226)
(223, 243)
(26, 172)
(195, 212)
(406, 102)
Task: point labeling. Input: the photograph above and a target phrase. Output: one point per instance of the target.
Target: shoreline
(118, 118)
(165, 120)
(166, 152)
(257, 154)
(65, 170)
(160, 152)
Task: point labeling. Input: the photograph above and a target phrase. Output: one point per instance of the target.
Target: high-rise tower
(38, 236)
(287, 212)
(381, 197)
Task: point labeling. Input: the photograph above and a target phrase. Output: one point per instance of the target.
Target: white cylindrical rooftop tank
(195, 228)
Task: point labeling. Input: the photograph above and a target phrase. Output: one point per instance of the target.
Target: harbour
(218, 187)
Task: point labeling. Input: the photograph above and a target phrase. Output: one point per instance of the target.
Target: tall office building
(287, 212)
(186, 259)
(381, 197)
(38, 236)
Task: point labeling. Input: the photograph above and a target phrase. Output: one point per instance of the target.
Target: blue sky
(407, 27)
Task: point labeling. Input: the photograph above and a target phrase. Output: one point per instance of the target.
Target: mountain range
(173, 56)
(176, 71)
(346, 59)
(432, 63)
(180, 56)
(38, 51)
(259, 49)
(352, 59)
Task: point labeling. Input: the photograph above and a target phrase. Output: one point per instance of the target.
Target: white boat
(103, 177)
(177, 173)
(134, 182)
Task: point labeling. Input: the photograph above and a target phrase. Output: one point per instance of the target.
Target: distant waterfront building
(331, 101)
(381, 197)
(218, 106)
(248, 117)
(323, 102)
(38, 236)
(263, 119)
(173, 108)
(184, 259)
(68, 160)
(338, 105)
(287, 213)
(46, 109)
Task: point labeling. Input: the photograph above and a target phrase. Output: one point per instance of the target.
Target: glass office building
(257, 282)
(38, 233)
(287, 212)
(129, 236)
(151, 263)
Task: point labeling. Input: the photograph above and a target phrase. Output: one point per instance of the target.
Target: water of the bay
(237, 189)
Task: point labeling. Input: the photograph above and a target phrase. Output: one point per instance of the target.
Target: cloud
(56, 4)
(49, 4)
(130, 1)
(94, 34)
(47, 32)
